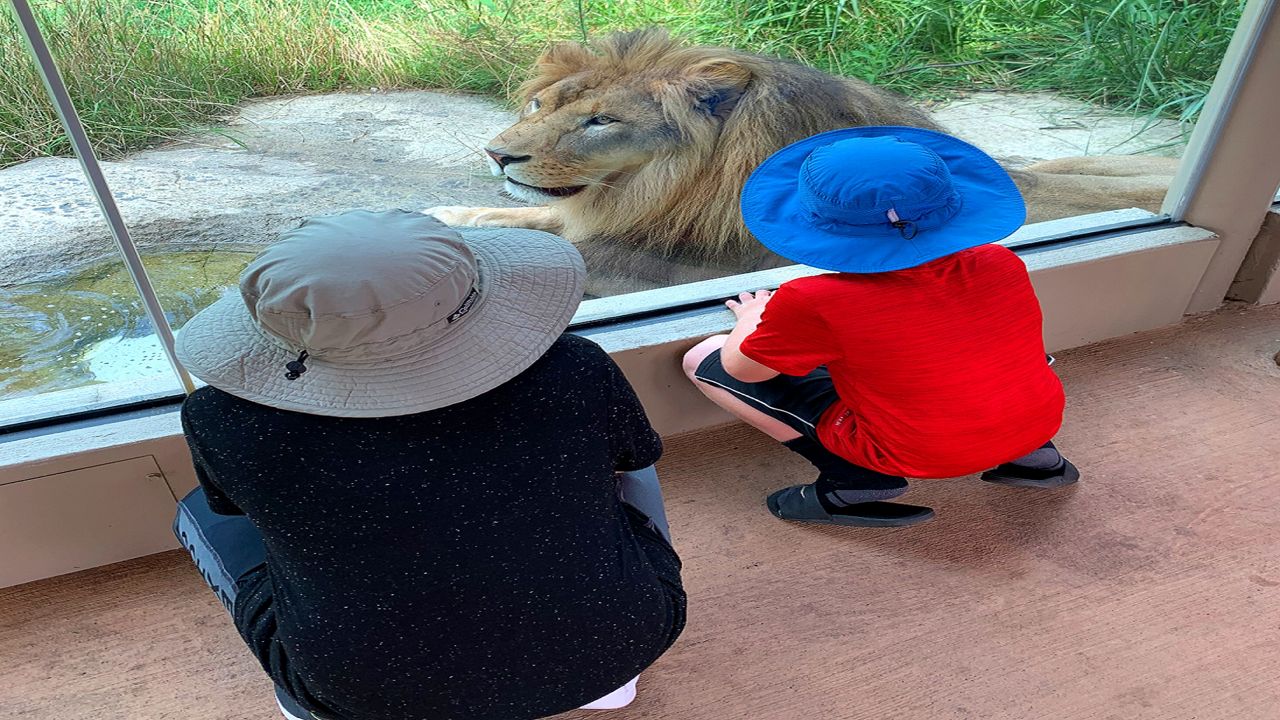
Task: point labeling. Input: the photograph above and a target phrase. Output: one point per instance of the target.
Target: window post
(1228, 177)
(57, 90)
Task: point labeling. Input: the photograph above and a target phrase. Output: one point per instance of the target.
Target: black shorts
(797, 401)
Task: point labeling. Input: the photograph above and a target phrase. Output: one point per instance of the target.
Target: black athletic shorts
(797, 401)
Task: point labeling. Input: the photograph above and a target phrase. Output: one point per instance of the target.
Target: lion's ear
(559, 62)
(564, 59)
(718, 84)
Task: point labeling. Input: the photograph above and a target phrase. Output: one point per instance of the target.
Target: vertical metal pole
(93, 171)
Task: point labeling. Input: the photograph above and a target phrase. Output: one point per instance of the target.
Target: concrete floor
(1150, 590)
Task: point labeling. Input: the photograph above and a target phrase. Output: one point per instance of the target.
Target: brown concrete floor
(1150, 590)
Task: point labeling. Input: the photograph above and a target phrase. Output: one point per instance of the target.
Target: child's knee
(694, 357)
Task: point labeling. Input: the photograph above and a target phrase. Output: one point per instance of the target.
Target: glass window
(222, 124)
(78, 339)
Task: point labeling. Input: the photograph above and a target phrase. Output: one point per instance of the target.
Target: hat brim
(530, 286)
(991, 208)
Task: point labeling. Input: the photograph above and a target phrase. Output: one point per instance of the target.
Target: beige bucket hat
(373, 314)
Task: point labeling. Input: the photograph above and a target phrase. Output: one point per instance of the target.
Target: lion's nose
(503, 158)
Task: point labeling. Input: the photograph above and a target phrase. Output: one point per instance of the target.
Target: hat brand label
(465, 307)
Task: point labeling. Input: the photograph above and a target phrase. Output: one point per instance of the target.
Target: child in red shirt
(920, 357)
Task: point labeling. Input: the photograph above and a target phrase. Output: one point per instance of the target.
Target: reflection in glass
(86, 325)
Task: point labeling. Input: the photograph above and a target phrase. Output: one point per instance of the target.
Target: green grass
(144, 70)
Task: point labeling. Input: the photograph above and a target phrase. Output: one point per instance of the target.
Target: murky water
(89, 325)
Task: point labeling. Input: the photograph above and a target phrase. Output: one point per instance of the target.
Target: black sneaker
(799, 503)
(1018, 476)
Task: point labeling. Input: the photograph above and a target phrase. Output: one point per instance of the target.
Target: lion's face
(586, 128)
(570, 138)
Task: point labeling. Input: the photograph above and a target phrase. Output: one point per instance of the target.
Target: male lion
(640, 146)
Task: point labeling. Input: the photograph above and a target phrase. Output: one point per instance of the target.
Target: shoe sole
(1069, 476)
(287, 714)
(615, 700)
(857, 520)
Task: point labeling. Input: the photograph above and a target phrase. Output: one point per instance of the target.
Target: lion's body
(655, 197)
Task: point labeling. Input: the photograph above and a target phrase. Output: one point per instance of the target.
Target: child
(920, 357)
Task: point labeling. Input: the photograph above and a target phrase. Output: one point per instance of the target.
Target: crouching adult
(419, 499)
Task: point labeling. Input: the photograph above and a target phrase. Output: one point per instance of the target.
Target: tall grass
(144, 70)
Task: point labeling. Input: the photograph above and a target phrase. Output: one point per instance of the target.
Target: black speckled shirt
(468, 562)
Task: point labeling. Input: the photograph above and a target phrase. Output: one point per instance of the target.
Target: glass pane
(72, 334)
(74, 339)
(206, 174)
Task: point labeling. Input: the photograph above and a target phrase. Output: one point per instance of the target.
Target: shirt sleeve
(217, 500)
(632, 440)
(791, 337)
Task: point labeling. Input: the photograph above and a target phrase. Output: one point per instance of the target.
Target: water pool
(88, 325)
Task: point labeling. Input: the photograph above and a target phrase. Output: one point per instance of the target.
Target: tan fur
(661, 186)
(1080, 185)
(532, 218)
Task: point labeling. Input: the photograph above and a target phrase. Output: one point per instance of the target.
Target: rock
(280, 160)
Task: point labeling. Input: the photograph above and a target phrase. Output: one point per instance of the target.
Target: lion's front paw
(456, 215)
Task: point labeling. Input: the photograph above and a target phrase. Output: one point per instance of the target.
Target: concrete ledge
(601, 309)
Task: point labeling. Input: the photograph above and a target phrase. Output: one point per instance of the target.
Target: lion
(636, 149)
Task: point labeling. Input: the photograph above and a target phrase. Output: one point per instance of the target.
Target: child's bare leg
(844, 493)
(775, 429)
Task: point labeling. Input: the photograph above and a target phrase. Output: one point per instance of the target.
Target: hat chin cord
(903, 226)
(296, 367)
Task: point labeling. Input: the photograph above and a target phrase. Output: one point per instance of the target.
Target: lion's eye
(533, 106)
(600, 120)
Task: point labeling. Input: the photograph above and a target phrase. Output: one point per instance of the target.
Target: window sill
(1090, 290)
(602, 310)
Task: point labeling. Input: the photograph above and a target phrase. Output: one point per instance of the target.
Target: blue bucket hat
(875, 199)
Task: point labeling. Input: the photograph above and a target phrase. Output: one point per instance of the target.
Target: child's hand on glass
(749, 305)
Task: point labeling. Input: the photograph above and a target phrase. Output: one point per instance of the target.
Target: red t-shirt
(940, 368)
